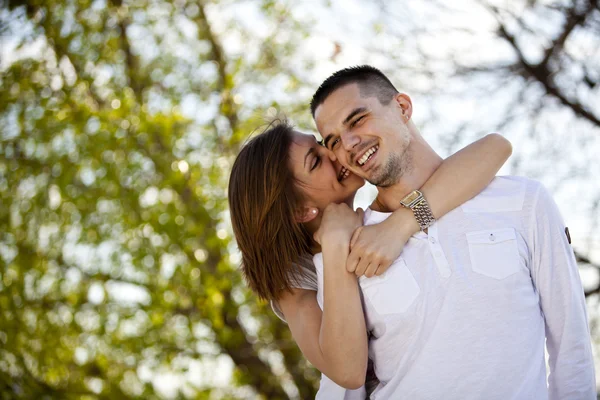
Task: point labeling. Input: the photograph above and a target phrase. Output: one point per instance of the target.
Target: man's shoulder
(504, 193)
(514, 183)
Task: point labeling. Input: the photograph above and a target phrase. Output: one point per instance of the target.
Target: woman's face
(320, 177)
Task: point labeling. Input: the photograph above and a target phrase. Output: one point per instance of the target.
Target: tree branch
(574, 19)
(586, 260)
(131, 61)
(542, 74)
(225, 86)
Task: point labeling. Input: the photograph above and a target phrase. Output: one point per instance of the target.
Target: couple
(391, 303)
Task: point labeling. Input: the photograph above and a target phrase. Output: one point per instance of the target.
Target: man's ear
(405, 104)
(306, 214)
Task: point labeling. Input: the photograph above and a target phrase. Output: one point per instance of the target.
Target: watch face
(410, 198)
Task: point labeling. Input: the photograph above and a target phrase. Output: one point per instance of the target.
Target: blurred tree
(120, 120)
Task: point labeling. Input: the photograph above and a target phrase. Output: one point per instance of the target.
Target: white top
(464, 312)
(328, 389)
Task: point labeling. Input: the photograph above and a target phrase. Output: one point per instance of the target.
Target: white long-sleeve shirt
(465, 312)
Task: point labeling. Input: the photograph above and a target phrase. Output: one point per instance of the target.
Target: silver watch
(419, 206)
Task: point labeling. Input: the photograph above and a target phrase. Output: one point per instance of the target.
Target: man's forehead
(339, 103)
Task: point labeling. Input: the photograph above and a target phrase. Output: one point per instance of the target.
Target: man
(466, 310)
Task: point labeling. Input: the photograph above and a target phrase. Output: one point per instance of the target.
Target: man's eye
(334, 143)
(356, 121)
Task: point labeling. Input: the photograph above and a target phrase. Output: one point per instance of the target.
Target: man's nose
(349, 140)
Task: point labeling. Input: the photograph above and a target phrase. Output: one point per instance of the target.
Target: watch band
(420, 208)
(423, 214)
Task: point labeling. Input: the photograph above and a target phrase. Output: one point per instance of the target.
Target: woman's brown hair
(263, 200)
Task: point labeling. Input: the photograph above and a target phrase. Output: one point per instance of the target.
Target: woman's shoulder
(302, 276)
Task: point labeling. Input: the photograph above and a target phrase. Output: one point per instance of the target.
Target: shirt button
(492, 237)
(432, 240)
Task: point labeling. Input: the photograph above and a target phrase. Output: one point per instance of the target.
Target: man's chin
(375, 179)
(381, 182)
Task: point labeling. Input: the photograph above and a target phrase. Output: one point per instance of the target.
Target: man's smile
(364, 161)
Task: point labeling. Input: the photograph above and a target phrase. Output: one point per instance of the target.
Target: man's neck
(423, 164)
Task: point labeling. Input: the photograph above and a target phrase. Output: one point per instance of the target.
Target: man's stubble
(395, 167)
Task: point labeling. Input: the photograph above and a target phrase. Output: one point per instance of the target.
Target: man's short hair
(371, 81)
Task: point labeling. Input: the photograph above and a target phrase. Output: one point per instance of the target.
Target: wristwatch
(419, 206)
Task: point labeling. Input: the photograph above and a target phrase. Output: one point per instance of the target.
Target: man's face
(367, 137)
(319, 176)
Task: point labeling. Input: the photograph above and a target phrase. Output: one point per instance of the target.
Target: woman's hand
(374, 248)
(338, 224)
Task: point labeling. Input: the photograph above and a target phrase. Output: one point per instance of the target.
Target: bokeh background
(119, 122)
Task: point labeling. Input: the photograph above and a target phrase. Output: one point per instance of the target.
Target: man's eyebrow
(353, 114)
(327, 139)
(348, 118)
(311, 150)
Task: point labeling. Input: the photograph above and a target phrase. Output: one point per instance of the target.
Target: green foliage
(116, 258)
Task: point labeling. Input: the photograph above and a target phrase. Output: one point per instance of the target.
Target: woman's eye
(316, 163)
(336, 141)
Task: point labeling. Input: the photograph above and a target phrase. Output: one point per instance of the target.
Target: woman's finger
(355, 237)
(361, 214)
(372, 270)
(362, 267)
(352, 261)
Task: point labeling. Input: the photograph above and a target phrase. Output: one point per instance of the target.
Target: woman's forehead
(302, 150)
(302, 144)
(304, 139)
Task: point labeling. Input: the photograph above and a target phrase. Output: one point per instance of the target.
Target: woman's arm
(333, 340)
(459, 178)
(466, 173)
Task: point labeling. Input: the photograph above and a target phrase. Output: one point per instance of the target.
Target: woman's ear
(306, 214)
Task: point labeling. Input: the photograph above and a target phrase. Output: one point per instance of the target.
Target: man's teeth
(367, 155)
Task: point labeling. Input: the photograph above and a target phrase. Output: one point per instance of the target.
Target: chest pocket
(394, 291)
(494, 252)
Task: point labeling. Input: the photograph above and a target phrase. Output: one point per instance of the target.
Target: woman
(281, 185)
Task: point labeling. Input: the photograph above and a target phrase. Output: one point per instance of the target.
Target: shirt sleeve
(318, 260)
(556, 277)
(305, 280)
